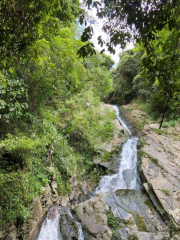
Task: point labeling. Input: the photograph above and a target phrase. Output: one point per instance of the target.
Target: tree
(99, 78)
(161, 68)
(133, 19)
(129, 66)
(144, 22)
(21, 23)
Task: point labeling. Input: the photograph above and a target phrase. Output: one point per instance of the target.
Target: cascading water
(80, 231)
(129, 204)
(50, 229)
(120, 119)
(126, 177)
(50, 226)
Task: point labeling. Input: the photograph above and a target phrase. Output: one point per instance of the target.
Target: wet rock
(93, 215)
(136, 215)
(128, 176)
(160, 165)
(68, 225)
(36, 218)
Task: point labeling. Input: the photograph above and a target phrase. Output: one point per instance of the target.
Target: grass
(172, 123)
(113, 222)
(153, 159)
(159, 131)
(165, 191)
(141, 225)
(133, 237)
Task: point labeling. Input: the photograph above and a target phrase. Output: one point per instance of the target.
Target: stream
(125, 199)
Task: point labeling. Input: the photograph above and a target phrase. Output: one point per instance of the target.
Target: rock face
(12, 235)
(93, 215)
(38, 209)
(109, 149)
(67, 224)
(161, 167)
(160, 162)
(119, 131)
(136, 215)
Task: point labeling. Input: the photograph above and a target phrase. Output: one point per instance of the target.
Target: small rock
(64, 200)
(12, 235)
(175, 214)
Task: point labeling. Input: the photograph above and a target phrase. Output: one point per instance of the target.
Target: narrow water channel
(125, 200)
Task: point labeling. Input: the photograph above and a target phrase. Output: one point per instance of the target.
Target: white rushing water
(127, 174)
(121, 120)
(50, 227)
(80, 231)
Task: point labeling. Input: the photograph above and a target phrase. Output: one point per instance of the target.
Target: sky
(97, 27)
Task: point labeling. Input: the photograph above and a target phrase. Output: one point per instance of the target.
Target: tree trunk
(165, 109)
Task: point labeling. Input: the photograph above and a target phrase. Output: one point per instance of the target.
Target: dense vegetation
(133, 81)
(49, 102)
(154, 25)
(50, 96)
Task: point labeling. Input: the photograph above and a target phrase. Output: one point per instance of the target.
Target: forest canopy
(155, 27)
(49, 103)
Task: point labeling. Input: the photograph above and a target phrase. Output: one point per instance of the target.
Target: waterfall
(121, 120)
(124, 179)
(80, 232)
(50, 229)
(50, 226)
(127, 174)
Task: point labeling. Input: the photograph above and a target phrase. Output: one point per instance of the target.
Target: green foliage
(99, 77)
(21, 23)
(141, 223)
(133, 237)
(172, 227)
(151, 73)
(160, 209)
(50, 105)
(165, 125)
(172, 123)
(108, 131)
(124, 74)
(165, 191)
(13, 94)
(113, 222)
(130, 17)
(116, 235)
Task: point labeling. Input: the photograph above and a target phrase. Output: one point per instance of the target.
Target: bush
(113, 222)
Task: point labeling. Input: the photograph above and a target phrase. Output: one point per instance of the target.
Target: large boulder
(93, 215)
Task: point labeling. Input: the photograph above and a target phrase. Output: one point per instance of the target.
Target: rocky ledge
(160, 164)
(110, 149)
